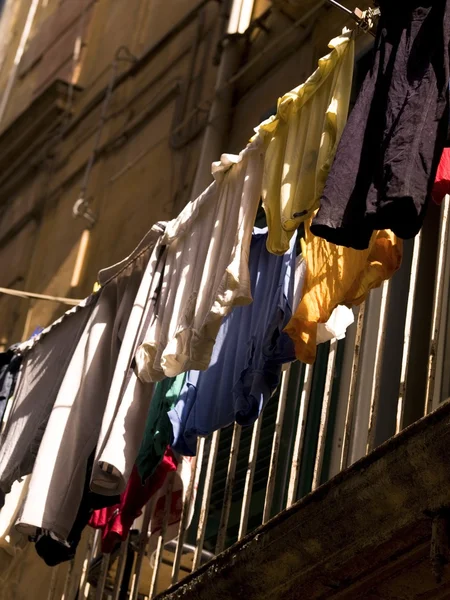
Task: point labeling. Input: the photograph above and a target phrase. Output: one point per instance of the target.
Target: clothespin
(365, 19)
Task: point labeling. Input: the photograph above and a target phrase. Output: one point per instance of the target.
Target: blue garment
(10, 362)
(246, 362)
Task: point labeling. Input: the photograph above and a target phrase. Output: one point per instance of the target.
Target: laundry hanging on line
(338, 275)
(158, 313)
(214, 231)
(301, 141)
(386, 162)
(250, 350)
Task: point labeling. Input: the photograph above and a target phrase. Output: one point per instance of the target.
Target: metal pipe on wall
(219, 118)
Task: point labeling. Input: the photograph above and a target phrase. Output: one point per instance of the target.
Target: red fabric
(442, 183)
(116, 521)
(176, 506)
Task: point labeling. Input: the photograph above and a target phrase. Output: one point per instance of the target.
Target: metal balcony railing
(389, 371)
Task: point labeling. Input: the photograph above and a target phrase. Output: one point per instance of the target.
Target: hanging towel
(386, 163)
(301, 141)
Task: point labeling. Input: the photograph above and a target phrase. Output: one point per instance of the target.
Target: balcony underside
(364, 534)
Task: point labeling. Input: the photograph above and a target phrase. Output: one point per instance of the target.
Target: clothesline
(341, 7)
(27, 295)
(188, 334)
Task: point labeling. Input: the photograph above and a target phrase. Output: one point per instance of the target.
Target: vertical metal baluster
(376, 382)
(68, 582)
(349, 417)
(229, 485)
(85, 587)
(206, 497)
(249, 477)
(407, 332)
(102, 577)
(437, 305)
(96, 549)
(160, 547)
(324, 415)
(91, 544)
(143, 541)
(193, 485)
(120, 568)
(300, 436)
(276, 444)
(53, 583)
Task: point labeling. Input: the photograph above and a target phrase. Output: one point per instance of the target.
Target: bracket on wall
(81, 208)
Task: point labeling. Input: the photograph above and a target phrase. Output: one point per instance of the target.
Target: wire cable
(343, 8)
(28, 295)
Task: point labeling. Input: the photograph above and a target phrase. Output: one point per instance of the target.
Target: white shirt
(206, 270)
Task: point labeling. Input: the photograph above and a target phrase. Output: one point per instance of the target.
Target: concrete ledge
(364, 520)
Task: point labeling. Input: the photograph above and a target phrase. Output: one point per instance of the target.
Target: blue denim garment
(248, 354)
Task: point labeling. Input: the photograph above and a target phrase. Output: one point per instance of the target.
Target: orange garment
(338, 275)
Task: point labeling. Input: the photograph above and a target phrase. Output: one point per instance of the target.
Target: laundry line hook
(364, 19)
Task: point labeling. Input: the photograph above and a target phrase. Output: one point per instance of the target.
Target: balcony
(341, 489)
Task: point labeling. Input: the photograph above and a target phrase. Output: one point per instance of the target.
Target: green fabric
(158, 428)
